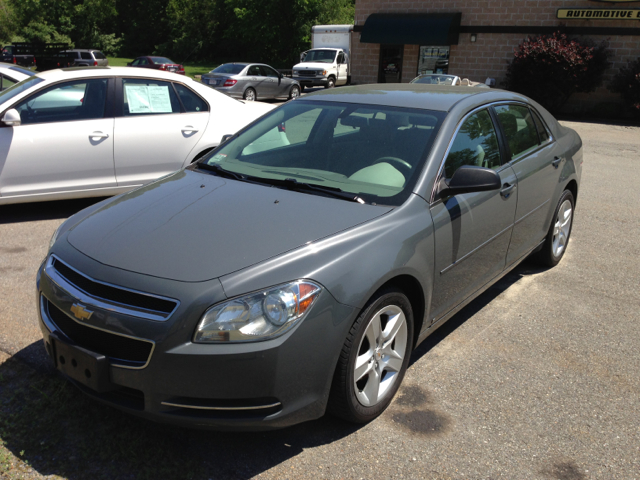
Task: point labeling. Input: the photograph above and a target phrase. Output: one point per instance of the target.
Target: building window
(433, 59)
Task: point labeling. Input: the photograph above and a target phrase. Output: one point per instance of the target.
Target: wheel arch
(572, 186)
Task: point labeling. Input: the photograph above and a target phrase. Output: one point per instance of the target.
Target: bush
(550, 69)
(627, 83)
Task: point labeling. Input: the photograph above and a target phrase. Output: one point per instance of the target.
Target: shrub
(627, 83)
(550, 69)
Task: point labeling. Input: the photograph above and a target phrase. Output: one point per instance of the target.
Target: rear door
(531, 154)
(156, 127)
(64, 143)
(472, 231)
(256, 79)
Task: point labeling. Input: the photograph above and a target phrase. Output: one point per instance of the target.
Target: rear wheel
(294, 92)
(249, 95)
(557, 239)
(374, 358)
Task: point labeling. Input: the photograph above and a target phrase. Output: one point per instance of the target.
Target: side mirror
(129, 64)
(470, 179)
(12, 118)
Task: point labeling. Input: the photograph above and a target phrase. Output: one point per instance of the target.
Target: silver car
(87, 58)
(251, 81)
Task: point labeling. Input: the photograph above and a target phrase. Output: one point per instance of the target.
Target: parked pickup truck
(9, 55)
(327, 64)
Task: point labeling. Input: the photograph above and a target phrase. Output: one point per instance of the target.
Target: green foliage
(8, 25)
(627, 83)
(550, 69)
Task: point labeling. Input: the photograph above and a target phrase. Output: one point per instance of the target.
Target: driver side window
(476, 144)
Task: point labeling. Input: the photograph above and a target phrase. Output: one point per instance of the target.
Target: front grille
(111, 345)
(307, 73)
(113, 294)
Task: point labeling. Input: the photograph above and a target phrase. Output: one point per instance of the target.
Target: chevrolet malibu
(262, 286)
(96, 132)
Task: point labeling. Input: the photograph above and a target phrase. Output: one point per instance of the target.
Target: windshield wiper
(222, 172)
(294, 184)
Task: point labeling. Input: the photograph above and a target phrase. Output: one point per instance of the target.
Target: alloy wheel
(561, 228)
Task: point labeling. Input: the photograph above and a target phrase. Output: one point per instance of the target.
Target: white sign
(148, 99)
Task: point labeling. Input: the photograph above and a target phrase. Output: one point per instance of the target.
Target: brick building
(394, 40)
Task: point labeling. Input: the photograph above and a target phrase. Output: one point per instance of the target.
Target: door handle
(98, 135)
(556, 162)
(188, 129)
(507, 190)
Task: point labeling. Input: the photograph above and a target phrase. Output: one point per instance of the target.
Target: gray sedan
(272, 281)
(251, 81)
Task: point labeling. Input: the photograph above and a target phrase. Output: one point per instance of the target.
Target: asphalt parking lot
(538, 378)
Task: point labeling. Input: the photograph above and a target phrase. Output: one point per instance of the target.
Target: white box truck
(328, 62)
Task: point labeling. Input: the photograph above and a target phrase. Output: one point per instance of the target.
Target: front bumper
(311, 81)
(248, 386)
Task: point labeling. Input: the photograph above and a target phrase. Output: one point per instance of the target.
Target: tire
(353, 400)
(557, 240)
(331, 82)
(250, 95)
(294, 92)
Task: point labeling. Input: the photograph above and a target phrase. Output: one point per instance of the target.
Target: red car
(157, 63)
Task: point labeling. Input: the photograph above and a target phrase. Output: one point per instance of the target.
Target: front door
(390, 70)
(64, 142)
(343, 70)
(472, 231)
(155, 132)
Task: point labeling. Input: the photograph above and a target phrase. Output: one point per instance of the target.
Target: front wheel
(374, 358)
(557, 239)
(249, 94)
(331, 82)
(294, 92)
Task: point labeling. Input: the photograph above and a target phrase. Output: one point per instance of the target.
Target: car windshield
(435, 79)
(18, 88)
(322, 56)
(231, 68)
(161, 60)
(373, 152)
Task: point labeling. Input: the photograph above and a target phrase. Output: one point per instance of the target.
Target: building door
(390, 70)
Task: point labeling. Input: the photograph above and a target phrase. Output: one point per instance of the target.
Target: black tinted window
(69, 101)
(475, 144)
(518, 127)
(255, 70)
(99, 55)
(542, 131)
(191, 101)
(85, 56)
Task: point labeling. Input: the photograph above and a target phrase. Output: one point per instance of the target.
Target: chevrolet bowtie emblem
(80, 313)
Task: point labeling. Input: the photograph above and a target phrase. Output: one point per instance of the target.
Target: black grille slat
(113, 294)
(98, 341)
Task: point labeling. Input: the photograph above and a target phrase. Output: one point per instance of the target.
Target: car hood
(313, 66)
(193, 226)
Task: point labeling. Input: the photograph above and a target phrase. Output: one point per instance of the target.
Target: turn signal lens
(258, 316)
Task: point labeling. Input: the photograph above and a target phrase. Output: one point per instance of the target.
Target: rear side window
(85, 56)
(148, 97)
(255, 71)
(542, 130)
(6, 82)
(476, 143)
(519, 128)
(189, 99)
(99, 55)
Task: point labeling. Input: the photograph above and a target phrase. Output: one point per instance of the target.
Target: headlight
(258, 316)
(324, 72)
(54, 237)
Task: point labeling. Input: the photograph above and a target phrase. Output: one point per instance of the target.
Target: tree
(8, 25)
(550, 69)
(627, 83)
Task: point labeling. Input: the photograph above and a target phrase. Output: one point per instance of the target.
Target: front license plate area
(83, 366)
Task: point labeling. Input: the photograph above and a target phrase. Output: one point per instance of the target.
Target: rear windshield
(18, 88)
(231, 68)
(375, 152)
(161, 60)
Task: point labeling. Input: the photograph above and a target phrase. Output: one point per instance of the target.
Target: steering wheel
(398, 161)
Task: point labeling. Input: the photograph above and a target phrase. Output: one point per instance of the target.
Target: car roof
(412, 95)
(82, 50)
(85, 72)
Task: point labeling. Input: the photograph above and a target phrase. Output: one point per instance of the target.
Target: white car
(10, 74)
(103, 131)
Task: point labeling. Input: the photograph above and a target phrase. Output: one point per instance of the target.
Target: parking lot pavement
(537, 378)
